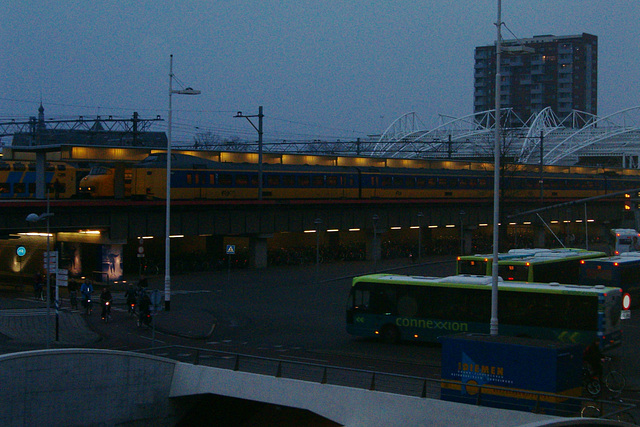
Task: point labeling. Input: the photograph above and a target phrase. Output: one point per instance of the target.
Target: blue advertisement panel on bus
(512, 373)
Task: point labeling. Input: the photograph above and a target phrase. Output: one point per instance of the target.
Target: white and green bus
(481, 263)
(558, 265)
(415, 308)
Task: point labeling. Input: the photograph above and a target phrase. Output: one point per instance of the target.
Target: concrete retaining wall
(85, 387)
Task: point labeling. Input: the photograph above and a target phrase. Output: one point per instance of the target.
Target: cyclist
(105, 300)
(592, 356)
(131, 295)
(86, 290)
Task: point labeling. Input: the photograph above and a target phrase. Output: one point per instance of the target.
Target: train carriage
(18, 180)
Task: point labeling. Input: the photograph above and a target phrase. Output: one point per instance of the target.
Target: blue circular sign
(21, 251)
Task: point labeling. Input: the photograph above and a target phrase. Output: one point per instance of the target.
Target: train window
(225, 179)
(352, 181)
(482, 182)
(288, 180)
(5, 166)
(273, 180)
(18, 187)
(101, 170)
(442, 182)
(398, 181)
(242, 180)
(19, 167)
(32, 187)
(432, 182)
(421, 182)
(189, 179)
(5, 188)
(332, 181)
(386, 181)
(318, 180)
(410, 182)
(463, 182)
(49, 167)
(254, 180)
(304, 181)
(212, 179)
(31, 167)
(61, 167)
(197, 179)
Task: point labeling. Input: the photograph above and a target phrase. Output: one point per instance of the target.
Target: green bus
(414, 308)
(481, 263)
(620, 271)
(558, 265)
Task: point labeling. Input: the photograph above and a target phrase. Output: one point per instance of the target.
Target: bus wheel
(390, 334)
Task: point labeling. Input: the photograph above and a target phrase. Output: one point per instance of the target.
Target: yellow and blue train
(196, 178)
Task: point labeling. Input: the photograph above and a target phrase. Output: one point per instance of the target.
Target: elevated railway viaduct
(94, 225)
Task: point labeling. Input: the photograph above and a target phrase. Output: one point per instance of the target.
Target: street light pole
(317, 222)
(462, 214)
(258, 129)
(375, 245)
(420, 215)
(35, 218)
(493, 329)
(167, 248)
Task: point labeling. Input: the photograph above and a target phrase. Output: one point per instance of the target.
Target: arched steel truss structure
(564, 141)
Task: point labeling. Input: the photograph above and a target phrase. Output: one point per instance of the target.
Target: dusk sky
(321, 69)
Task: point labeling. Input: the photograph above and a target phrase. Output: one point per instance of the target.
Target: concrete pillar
(41, 158)
(373, 246)
(258, 251)
(118, 181)
(467, 243)
(538, 237)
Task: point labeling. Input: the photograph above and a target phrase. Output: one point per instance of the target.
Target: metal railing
(433, 388)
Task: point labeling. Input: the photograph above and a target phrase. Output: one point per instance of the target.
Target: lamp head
(33, 217)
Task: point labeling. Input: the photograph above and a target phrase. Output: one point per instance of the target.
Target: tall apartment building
(562, 74)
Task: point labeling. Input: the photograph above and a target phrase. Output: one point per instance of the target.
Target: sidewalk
(25, 324)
